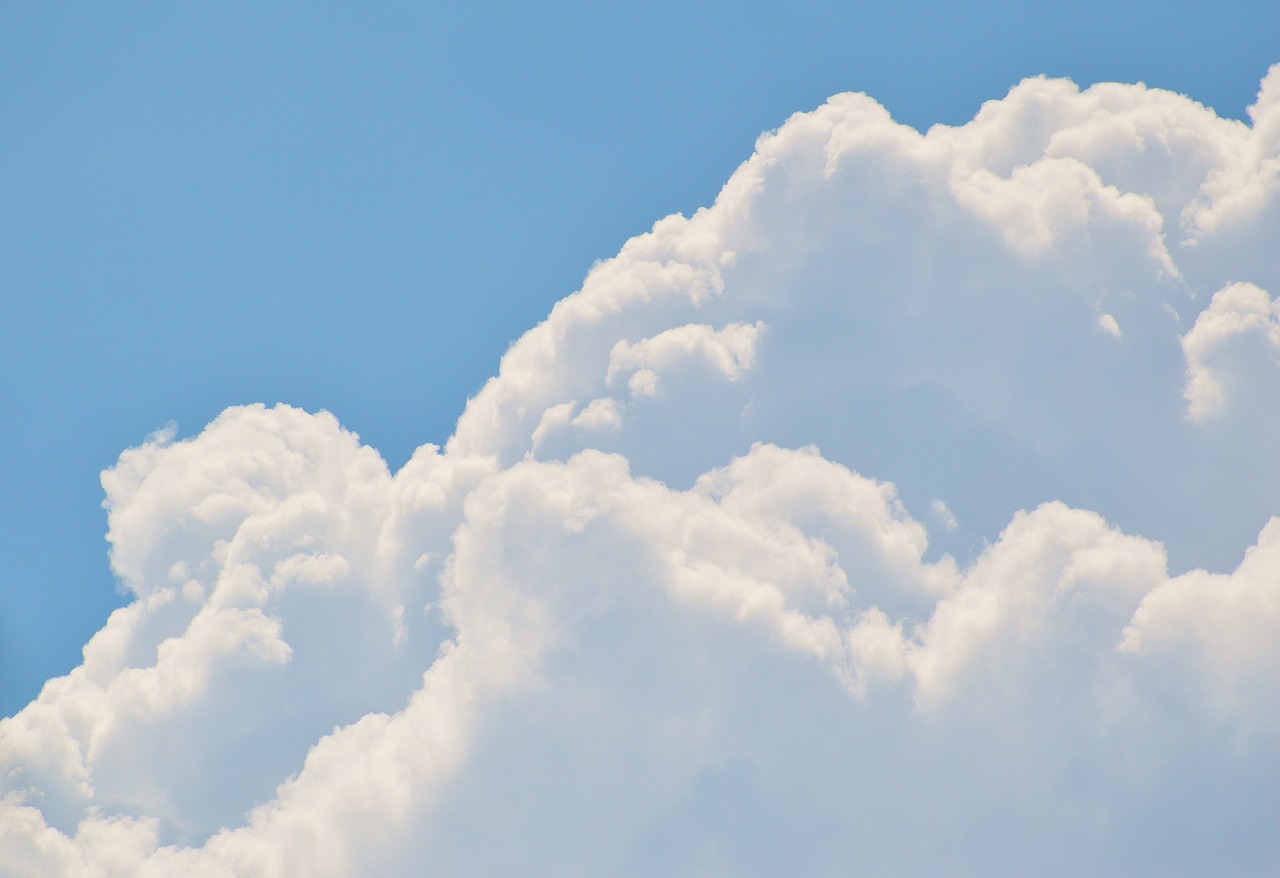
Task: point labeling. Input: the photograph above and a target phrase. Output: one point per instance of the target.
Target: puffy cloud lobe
(634, 619)
(274, 523)
(867, 253)
(740, 549)
(729, 350)
(1186, 617)
(1245, 187)
(1238, 313)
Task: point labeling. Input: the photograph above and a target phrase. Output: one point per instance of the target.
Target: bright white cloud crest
(630, 619)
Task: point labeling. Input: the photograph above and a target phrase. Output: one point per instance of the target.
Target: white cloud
(1242, 190)
(1222, 626)
(729, 350)
(600, 414)
(1107, 323)
(1217, 351)
(656, 630)
(944, 514)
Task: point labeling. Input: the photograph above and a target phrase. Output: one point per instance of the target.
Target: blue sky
(360, 210)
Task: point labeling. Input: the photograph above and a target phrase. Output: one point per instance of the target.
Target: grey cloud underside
(907, 512)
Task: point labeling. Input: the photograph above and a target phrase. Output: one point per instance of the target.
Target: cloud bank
(910, 511)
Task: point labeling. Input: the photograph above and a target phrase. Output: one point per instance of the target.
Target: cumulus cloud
(667, 601)
(1219, 341)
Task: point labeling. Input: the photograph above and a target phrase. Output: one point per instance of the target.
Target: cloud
(729, 350)
(1217, 344)
(1108, 324)
(1222, 626)
(666, 602)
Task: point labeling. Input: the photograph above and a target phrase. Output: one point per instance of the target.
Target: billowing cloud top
(907, 512)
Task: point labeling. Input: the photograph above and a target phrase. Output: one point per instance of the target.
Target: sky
(358, 210)
(860, 495)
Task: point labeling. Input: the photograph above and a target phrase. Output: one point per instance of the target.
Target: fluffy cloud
(1239, 313)
(667, 601)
